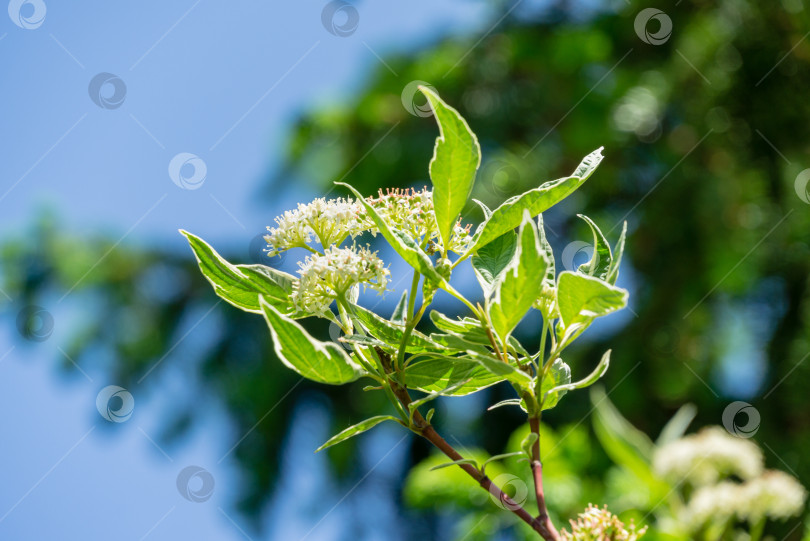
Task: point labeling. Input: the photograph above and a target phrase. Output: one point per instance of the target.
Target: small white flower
(600, 524)
(712, 504)
(775, 495)
(412, 212)
(337, 273)
(708, 456)
(329, 222)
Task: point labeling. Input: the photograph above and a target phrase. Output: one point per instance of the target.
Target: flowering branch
(512, 261)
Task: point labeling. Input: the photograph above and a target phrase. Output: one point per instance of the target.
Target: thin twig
(423, 428)
(537, 473)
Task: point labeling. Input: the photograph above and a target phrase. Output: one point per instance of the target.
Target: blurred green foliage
(705, 136)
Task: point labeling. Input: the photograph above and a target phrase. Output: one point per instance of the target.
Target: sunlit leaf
(521, 282)
(391, 333)
(510, 214)
(492, 259)
(440, 373)
(400, 314)
(456, 158)
(589, 380)
(551, 272)
(458, 462)
(323, 362)
(354, 430)
(553, 386)
(501, 368)
(582, 298)
(613, 272)
(602, 257)
(242, 285)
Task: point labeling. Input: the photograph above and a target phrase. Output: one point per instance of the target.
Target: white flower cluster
(411, 212)
(706, 457)
(338, 272)
(330, 222)
(595, 524)
(774, 495)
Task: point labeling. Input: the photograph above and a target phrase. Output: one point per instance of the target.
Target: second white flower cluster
(333, 272)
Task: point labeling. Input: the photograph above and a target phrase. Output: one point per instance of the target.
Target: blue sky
(222, 81)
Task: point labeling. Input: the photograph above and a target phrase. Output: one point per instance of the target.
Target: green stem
(412, 293)
(541, 353)
(406, 335)
(758, 529)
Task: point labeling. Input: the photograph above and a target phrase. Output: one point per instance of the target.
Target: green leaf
(508, 402)
(521, 282)
(354, 430)
(500, 457)
(453, 325)
(592, 378)
(404, 245)
(627, 446)
(676, 427)
(492, 259)
(456, 463)
(468, 329)
(613, 272)
(510, 214)
(485, 209)
(551, 273)
(582, 298)
(456, 158)
(456, 343)
(553, 387)
(399, 314)
(429, 415)
(323, 362)
(500, 368)
(602, 258)
(440, 373)
(527, 443)
(242, 285)
(391, 333)
(363, 340)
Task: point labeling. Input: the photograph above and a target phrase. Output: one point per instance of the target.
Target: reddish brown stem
(537, 473)
(544, 528)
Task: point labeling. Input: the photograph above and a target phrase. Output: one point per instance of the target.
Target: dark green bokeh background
(705, 135)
